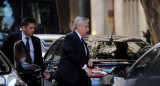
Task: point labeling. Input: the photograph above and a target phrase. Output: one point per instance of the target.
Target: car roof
(114, 37)
(107, 38)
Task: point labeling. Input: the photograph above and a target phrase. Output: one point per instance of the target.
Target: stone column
(98, 16)
(118, 15)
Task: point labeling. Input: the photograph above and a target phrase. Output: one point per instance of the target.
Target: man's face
(29, 30)
(84, 28)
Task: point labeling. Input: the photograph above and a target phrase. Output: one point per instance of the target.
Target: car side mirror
(29, 68)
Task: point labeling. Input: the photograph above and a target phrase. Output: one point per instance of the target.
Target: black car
(144, 72)
(106, 53)
(8, 73)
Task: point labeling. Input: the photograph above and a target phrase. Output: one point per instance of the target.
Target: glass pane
(21, 54)
(146, 65)
(114, 50)
(101, 50)
(4, 66)
(55, 51)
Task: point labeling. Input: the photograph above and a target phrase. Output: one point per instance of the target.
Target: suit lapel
(79, 42)
(82, 49)
(34, 47)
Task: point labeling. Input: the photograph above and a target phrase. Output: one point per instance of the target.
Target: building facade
(117, 17)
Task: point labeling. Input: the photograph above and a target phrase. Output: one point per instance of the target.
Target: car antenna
(111, 38)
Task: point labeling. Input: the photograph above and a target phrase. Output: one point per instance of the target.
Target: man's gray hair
(79, 20)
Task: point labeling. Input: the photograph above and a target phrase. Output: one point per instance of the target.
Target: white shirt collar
(78, 35)
(24, 36)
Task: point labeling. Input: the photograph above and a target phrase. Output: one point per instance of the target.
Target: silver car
(8, 73)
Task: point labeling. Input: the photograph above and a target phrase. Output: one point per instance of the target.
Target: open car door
(28, 71)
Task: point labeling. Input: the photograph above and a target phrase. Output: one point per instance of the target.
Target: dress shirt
(30, 45)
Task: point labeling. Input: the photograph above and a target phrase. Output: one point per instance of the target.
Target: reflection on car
(105, 54)
(47, 40)
(144, 72)
(8, 74)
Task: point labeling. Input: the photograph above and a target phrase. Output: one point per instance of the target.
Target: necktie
(27, 44)
(84, 46)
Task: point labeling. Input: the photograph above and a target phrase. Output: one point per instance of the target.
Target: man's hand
(46, 73)
(88, 71)
(90, 63)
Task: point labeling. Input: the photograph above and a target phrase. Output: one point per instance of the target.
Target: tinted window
(54, 53)
(114, 50)
(22, 56)
(4, 66)
(149, 65)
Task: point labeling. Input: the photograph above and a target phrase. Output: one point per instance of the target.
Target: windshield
(13, 11)
(4, 66)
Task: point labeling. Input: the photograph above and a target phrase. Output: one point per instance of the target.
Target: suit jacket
(72, 61)
(8, 45)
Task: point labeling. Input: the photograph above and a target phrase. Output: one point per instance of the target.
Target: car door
(28, 71)
(145, 71)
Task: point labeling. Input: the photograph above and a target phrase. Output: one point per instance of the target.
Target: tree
(152, 15)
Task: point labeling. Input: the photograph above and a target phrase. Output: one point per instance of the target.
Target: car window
(4, 66)
(22, 56)
(114, 50)
(101, 49)
(54, 53)
(147, 66)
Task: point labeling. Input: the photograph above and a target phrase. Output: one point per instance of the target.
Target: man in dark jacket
(31, 42)
(73, 68)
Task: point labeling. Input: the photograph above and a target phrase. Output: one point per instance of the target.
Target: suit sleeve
(41, 59)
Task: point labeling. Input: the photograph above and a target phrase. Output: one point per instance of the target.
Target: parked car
(8, 74)
(144, 72)
(106, 53)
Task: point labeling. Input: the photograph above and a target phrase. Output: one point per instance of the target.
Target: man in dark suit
(73, 68)
(28, 28)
